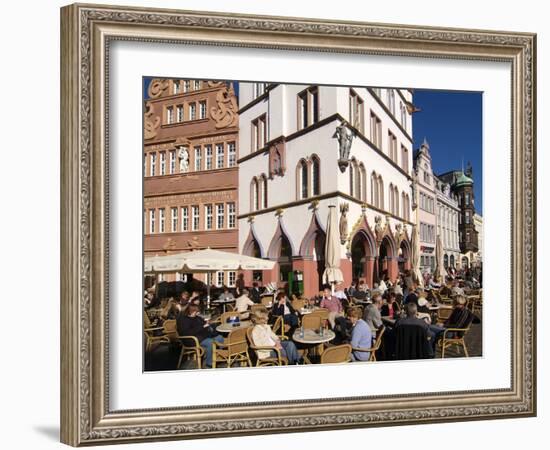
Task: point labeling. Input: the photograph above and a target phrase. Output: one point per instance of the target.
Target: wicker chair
(278, 360)
(153, 335)
(170, 330)
(190, 346)
(375, 347)
(312, 321)
(267, 300)
(443, 314)
(279, 328)
(454, 336)
(255, 308)
(233, 349)
(321, 312)
(336, 354)
(298, 304)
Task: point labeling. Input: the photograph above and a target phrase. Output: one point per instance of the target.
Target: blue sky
(452, 123)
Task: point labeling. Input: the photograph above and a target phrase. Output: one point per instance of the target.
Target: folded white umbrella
(332, 273)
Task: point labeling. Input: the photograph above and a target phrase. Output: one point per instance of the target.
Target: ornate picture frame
(86, 34)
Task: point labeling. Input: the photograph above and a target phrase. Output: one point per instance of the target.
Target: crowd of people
(404, 310)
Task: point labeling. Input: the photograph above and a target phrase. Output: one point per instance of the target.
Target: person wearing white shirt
(263, 336)
(242, 304)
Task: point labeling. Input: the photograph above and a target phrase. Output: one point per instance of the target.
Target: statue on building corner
(345, 137)
(183, 156)
(343, 225)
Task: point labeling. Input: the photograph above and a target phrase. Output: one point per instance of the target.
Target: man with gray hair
(372, 315)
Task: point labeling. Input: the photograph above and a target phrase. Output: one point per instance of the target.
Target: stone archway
(363, 257)
(281, 250)
(386, 259)
(404, 256)
(311, 260)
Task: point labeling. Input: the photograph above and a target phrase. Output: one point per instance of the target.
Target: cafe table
(223, 302)
(312, 339)
(229, 327)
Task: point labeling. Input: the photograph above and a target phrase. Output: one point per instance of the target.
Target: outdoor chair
(190, 346)
(321, 312)
(454, 336)
(336, 354)
(170, 330)
(153, 335)
(267, 300)
(443, 314)
(226, 315)
(311, 321)
(279, 328)
(233, 349)
(277, 360)
(255, 308)
(375, 347)
(298, 304)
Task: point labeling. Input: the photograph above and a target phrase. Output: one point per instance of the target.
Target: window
(208, 216)
(316, 175)
(356, 111)
(363, 175)
(186, 86)
(264, 191)
(219, 279)
(174, 221)
(403, 111)
(195, 218)
(220, 216)
(184, 218)
(163, 163)
(375, 130)
(219, 156)
(179, 113)
(151, 221)
(192, 111)
(208, 157)
(426, 177)
(202, 109)
(198, 158)
(172, 161)
(391, 101)
(153, 165)
(196, 85)
(467, 199)
(170, 114)
(161, 220)
(467, 218)
(175, 86)
(404, 158)
(392, 146)
(231, 154)
(231, 278)
(254, 195)
(259, 89)
(231, 215)
(308, 107)
(374, 197)
(259, 133)
(381, 192)
(378, 92)
(303, 179)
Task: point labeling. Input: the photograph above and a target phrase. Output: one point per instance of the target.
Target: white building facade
(448, 212)
(291, 171)
(426, 207)
(478, 257)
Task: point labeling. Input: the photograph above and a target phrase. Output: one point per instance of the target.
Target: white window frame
(162, 219)
(220, 216)
(153, 164)
(220, 153)
(179, 113)
(170, 114)
(185, 218)
(175, 87)
(152, 221)
(174, 219)
(209, 157)
(231, 278)
(231, 154)
(208, 217)
(195, 217)
(198, 158)
(192, 111)
(162, 163)
(220, 277)
(196, 85)
(231, 215)
(202, 109)
(172, 162)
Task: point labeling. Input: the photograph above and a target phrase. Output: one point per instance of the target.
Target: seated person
(226, 294)
(283, 307)
(341, 295)
(189, 323)
(333, 304)
(390, 307)
(242, 303)
(255, 293)
(424, 312)
(361, 335)
(263, 336)
(410, 347)
(413, 295)
(372, 315)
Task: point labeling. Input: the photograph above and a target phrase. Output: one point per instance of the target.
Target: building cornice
(322, 197)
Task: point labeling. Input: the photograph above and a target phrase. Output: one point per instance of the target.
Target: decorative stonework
(277, 158)
(169, 245)
(379, 229)
(193, 243)
(157, 87)
(524, 246)
(151, 122)
(225, 113)
(343, 225)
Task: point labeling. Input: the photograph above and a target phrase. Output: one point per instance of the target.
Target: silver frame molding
(86, 31)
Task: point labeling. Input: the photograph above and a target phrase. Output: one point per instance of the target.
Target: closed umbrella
(332, 273)
(439, 268)
(415, 250)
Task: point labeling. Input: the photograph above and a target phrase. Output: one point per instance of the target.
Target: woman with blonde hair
(263, 336)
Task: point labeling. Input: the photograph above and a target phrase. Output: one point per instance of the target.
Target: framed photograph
(287, 224)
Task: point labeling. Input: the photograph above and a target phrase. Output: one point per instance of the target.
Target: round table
(223, 302)
(228, 327)
(312, 338)
(305, 311)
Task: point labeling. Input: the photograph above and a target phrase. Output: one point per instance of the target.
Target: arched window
(316, 175)
(381, 192)
(352, 179)
(254, 195)
(446, 261)
(392, 200)
(302, 180)
(396, 199)
(264, 192)
(363, 175)
(358, 187)
(374, 189)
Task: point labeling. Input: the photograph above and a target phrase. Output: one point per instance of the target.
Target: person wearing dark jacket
(189, 323)
(411, 334)
(255, 293)
(283, 307)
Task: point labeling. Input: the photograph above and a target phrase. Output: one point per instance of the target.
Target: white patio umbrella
(439, 268)
(332, 273)
(204, 261)
(415, 257)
